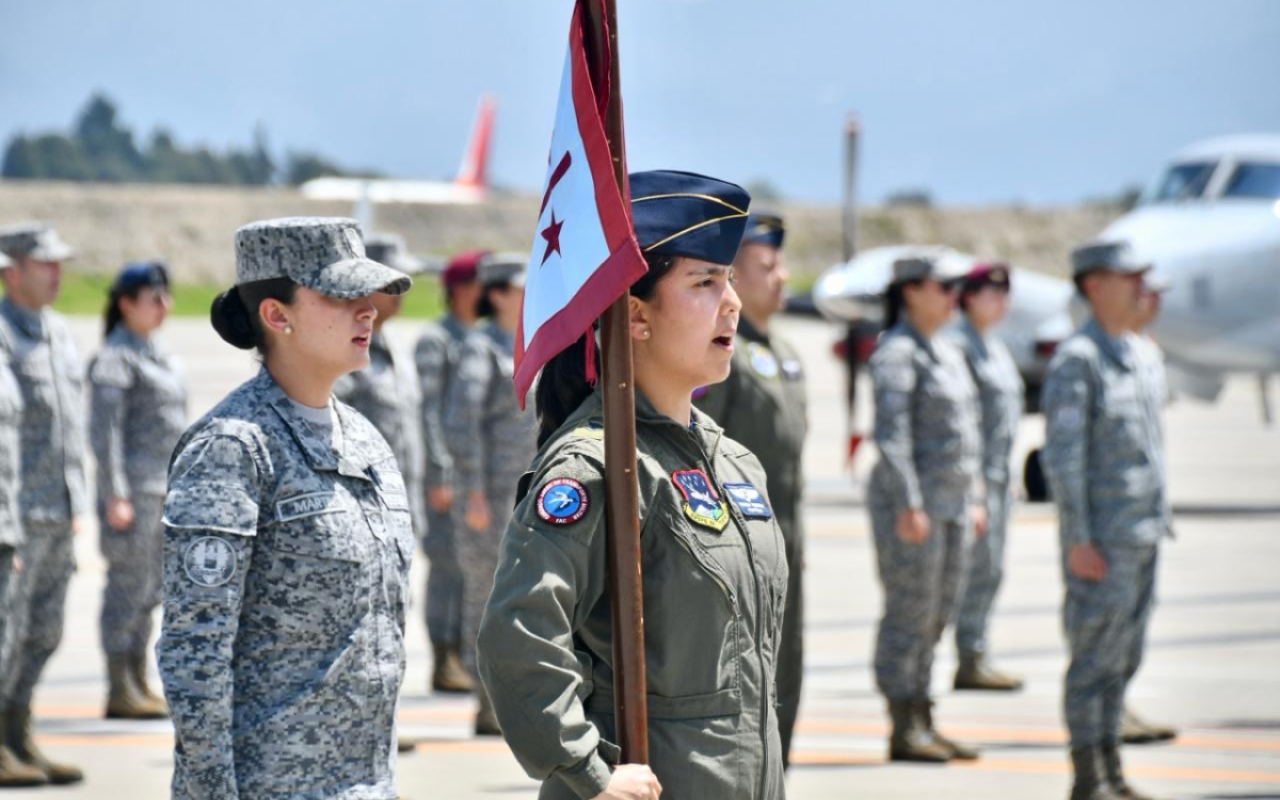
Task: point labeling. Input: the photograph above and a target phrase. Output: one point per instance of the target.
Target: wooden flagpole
(626, 593)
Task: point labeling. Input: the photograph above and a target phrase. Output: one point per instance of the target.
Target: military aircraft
(1209, 224)
(468, 188)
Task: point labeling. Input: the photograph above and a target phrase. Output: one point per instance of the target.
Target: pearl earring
(288, 329)
(644, 334)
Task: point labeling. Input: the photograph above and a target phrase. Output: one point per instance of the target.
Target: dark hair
(484, 306)
(562, 386)
(234, 313)
(895, 301)
(113, 316)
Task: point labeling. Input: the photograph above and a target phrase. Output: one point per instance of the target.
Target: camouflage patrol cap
(324, 254)
(919, 268)
(390, 249)
(36, 240)
(1110, 256)
(508, 268)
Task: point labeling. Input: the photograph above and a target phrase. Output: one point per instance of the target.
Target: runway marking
(837, 758)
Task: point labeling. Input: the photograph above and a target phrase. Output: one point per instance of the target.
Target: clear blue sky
(980, 101)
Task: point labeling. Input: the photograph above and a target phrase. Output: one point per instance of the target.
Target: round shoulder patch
(763, 361)
(562, 501)
(209, 561)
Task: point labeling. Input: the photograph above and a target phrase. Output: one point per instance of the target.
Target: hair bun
(231, 320)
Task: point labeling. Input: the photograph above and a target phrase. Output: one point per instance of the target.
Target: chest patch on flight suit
(562, 501)
(701, 503)
(791, 368)
(209, 561)
(762, 360)
(748, 500)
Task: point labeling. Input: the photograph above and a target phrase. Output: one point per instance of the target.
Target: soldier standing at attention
(137, 412)
(288, 540)
(492, 442)
(712, 556)
(925, 497)
(12, 771)
(984, 299)
(1104, 457)
(47, 367)
(436, 357)
(762, 407)
(387, 391)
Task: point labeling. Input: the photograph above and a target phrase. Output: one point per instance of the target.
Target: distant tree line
(101, 148)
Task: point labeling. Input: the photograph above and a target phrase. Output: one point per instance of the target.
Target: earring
(288, 329)
(644, 334)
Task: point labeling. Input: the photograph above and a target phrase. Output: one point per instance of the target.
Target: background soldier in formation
(924, 497)
(492, 442)
(436, 356)
(138, 410)
(761, 405)
(1104, 456)
(288, 540)
(984, 299)
(44, 360)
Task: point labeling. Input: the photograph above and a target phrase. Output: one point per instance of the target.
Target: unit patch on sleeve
(748, 500)
(762, 360)
(701, 503)
(209, 561)
(562, 501)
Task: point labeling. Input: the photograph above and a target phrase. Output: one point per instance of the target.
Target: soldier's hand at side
(1086, 563)
(17, 563)
(979, 513)
(478, 515)
(119, 513)
(913, 526)
(632, 782)
(76, 525)
(440, 498)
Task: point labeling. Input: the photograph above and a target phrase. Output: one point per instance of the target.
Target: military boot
(1135, 730)
(123, 701)
(23, 745)
(13, 773)
(448, 673)
(924, 712)
(1114, 774)
(974, 673)
(909, 741)
(138, 673)
(1089, 781)
(406, 744)
(486, 719)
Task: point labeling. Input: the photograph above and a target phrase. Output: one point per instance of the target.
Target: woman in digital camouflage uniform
(288, 540)
(713, 558)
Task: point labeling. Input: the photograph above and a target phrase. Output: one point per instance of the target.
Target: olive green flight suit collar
(353, 461)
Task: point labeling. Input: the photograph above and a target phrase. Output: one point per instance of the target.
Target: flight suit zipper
(741, 525)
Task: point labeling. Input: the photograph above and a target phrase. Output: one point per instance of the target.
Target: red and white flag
(584, 252)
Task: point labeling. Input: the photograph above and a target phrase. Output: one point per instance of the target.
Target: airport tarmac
(1212, 666)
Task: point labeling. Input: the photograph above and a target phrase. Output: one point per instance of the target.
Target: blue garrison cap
(141, 274)
(764, 227)
(683, 214)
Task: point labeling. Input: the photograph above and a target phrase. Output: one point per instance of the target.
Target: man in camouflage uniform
(984, 299)
(436, 357)
(1104, 457)
(48, 370)
(492, 442)
(762, 407)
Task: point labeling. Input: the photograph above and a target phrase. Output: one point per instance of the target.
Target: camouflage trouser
(986, 570)
(444, 580)
(7, 587)
(1106, 626)
(40, 596)
(922, 583)
(478, 558)
(791, 653)
(135, 569)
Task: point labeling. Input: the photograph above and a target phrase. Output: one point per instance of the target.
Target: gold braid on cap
(738, 213)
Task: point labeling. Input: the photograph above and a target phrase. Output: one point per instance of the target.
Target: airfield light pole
(850, 217)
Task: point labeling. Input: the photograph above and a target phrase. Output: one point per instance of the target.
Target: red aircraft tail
(476, 158)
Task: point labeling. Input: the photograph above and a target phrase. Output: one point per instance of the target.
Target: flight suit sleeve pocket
(213, 507)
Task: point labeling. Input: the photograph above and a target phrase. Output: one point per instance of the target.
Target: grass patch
(85, 294)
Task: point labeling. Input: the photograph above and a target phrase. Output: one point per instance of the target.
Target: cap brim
(58, 251)
(355, 277)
